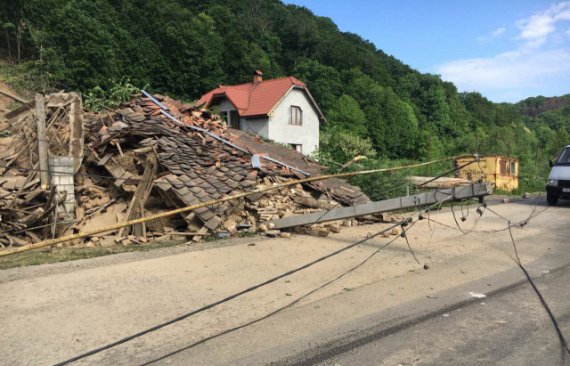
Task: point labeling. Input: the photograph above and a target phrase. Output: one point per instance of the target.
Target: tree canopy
(187, 47)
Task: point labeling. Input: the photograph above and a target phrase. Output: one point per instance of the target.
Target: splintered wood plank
(136, 206)
(42, 140)
(77, 132)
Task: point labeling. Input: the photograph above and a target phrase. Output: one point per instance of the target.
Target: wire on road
(405, 224)
(517, 260)
(402, 223)
(563, 342)
(274, 312)
(219, 302)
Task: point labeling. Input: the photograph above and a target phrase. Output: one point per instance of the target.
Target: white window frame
(297, 147)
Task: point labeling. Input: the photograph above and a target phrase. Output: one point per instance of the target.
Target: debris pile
(149, 155)
(31, 196)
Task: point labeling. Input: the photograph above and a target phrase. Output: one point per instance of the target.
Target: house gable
(309, 97)
(305, 135)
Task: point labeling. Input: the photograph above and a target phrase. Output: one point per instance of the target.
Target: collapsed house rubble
(63, 171)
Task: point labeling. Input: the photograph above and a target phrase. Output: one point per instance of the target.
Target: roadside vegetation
(376, 106)
(65, 254)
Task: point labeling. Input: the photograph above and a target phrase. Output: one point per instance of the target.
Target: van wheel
(551, 199)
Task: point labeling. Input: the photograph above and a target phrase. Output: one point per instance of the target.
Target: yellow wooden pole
(50, 242)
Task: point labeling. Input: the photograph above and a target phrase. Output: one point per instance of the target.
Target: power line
(456, 222)
(405, 236)
(432, 231)
(157, 327)
(442, 224)
(480, 210)
(80, 235)
(521, 223)
(240, 293)
(404, 223)
(396, 188)
(216, 303)
(517, 260)
(563, 342)
(348, 174)
(477, 158)
(274, 312)
(317, 289)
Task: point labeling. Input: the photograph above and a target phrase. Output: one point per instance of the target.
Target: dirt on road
(53, 312)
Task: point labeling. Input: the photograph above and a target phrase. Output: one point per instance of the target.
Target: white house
(280, 109)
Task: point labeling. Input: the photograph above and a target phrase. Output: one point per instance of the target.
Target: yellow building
(501, 171)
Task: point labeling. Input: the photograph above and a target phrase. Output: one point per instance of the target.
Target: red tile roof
(253, 99)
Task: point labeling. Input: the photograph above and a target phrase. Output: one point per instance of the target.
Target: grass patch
(23, 79)
(246, 234)
(56, 255)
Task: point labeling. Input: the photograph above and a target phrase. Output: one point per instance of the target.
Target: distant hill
(536, 105)
(374, 103)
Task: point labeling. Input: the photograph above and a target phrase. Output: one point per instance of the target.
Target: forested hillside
(375, 104)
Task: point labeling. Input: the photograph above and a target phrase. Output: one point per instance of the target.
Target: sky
(507, 50)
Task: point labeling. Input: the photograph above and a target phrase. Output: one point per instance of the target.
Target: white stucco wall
(280, 130)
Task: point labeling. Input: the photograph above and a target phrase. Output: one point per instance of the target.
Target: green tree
(338, 147)
(8, 29)
(187, 47)
(323, 81)
(347, 115)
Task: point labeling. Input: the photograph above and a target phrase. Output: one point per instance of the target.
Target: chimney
(257, 77)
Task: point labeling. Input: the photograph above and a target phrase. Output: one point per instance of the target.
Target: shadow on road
(529, 201)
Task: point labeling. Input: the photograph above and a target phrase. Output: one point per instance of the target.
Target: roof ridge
(242, 84)
(291, 78)
(279, 79)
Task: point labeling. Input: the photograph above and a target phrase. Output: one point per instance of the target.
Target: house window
(234, 120)
(296, 116)
(231, 118)
(297, 147)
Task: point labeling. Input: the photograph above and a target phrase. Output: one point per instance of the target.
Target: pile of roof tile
(154, 154)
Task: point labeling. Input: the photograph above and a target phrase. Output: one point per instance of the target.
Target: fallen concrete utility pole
(401, 203)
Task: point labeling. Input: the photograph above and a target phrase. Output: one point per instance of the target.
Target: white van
(558, 185)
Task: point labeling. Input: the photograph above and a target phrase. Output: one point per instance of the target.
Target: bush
(338, 147)
(97, 98)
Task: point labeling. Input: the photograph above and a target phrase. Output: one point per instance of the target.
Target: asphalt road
(510, 328)
(58, 311)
